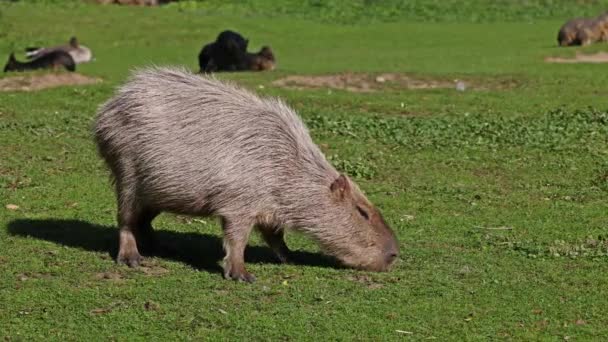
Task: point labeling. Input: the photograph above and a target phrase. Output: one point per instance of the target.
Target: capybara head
(353, 230)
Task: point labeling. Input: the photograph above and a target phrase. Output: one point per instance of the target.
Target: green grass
(497, 195)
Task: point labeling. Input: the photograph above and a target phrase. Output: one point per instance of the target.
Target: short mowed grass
(498, 195)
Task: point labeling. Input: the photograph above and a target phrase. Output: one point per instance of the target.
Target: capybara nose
(391, 252)
(390, 257)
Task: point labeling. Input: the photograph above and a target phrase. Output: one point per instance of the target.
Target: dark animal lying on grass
(229, 53)
(225, 54)
(184, 143)
(584, 31)
(51, 60)
(79, 53)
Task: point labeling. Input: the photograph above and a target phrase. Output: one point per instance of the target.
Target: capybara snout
(391, 252)
(370, 243)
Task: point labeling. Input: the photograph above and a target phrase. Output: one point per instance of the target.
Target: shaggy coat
(190, 144)
(584, 31)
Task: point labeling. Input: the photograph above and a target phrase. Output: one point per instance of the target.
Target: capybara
(52, 60)
(589, 32)
(225, 54)
(79, 53)
(602, 21)
(569, 33)
(263, 60)
(584, 31)
(190, 144)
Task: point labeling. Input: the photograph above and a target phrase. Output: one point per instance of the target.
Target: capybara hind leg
(128, 215)
(135, 228)
(236, 235)
(275, 239)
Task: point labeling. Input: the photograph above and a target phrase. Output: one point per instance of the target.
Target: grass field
(498, 194)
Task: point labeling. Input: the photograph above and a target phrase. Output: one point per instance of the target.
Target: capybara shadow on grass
(199, 250)
(184, 143)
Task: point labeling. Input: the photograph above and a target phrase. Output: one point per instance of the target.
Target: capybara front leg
(127, 252)
(236, 235)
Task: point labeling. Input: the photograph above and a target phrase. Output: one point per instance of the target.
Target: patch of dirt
(37, 82)
(105, 310)
(109, 276)
(368, 83)
(150, 268)
(600, 57)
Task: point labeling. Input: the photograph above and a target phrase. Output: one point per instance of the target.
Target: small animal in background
(225, 54)
(52, 60)
(185, 143)
(229, 53)
(80, 53)
(584, 31)
(263, 60)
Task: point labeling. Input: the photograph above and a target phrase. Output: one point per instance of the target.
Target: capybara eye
(363, 213)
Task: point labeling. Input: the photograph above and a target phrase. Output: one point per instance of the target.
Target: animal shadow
(199, 250)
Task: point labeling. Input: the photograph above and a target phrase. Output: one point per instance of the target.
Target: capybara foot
(242, 276)
(130, 259)
(239, 275)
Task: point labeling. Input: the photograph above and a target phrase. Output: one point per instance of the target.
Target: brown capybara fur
(569, 33)
(190, 144)
(584, 31)
(589, 32)
(263, 60)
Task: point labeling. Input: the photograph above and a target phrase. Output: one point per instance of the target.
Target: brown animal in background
(53, 60)
(602, 20)
(584, 31)
(568, 33)
(589, 32)
(263, 60)
(190, 144)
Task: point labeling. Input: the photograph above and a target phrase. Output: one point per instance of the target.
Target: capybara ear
(340, 186)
